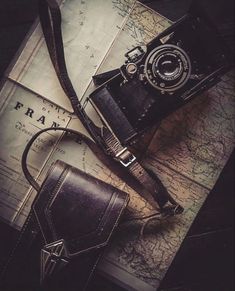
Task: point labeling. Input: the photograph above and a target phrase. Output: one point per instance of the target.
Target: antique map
(188, 151)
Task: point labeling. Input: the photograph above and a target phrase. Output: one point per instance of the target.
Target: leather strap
(50, 18)
(157, 195)
(93, 146)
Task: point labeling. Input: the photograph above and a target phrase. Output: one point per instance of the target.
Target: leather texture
(72, 219)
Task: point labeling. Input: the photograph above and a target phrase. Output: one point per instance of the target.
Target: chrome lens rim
(167, 67)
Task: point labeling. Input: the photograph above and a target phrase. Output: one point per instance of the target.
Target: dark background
(205, 260)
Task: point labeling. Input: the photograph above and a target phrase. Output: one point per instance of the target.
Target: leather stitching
(35, 212)
(102, 222)
(111, 232)
(53, 197)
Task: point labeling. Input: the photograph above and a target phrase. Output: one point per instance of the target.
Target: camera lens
(168, 67)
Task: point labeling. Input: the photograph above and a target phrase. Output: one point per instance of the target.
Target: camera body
(186, 59)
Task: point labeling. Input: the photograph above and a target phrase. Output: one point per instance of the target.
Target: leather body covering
(72, 219)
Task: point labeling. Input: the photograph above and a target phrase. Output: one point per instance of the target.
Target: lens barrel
(167, 67)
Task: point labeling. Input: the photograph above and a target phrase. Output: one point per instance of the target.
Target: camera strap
(151, 187)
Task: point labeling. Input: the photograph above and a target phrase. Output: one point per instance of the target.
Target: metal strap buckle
(125, 157)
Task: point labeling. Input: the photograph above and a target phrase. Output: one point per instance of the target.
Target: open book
(187, 152)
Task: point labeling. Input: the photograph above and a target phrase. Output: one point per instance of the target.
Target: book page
(22, 114)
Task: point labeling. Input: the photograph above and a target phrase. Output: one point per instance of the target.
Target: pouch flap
(77, 208)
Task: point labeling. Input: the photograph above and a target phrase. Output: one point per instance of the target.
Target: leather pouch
(71, 221)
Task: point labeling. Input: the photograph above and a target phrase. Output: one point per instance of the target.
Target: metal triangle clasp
(54, 257)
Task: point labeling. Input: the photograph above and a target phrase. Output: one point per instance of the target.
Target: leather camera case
(72, 219)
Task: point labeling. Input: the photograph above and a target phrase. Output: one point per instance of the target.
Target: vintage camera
(186, 59)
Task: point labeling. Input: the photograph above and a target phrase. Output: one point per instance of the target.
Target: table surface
(205, 259)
